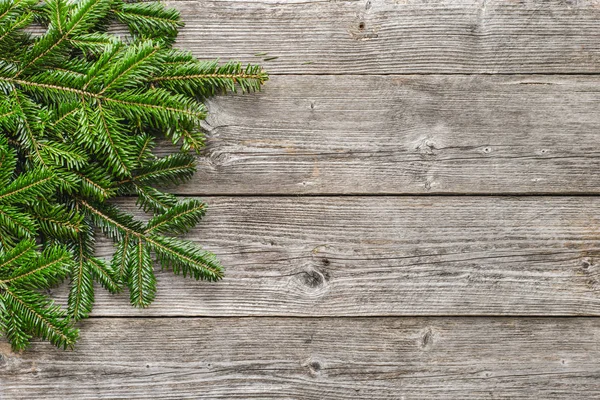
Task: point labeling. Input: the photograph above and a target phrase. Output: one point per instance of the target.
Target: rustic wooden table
(408, 210)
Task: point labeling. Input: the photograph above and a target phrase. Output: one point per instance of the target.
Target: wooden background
(409, 210)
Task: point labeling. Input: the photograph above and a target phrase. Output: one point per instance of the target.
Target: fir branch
(172, 169)
(121, 257)
(24, 189)
(80, 111)
(151, 199)
(57, 220)
(17, 222)
(104, 274)
(184, 256)
(39, 316)
(140, 276)
(178, 219)
(85, 14)
(81, 294)
(22, 254)
(47, 270)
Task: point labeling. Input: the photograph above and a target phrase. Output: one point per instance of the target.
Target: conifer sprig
(80, 109)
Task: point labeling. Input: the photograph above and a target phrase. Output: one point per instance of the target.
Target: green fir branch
(81, 111)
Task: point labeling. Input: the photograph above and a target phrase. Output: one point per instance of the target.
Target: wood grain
(314, 359)
(399, 256)
(397, 36)
(404, 134)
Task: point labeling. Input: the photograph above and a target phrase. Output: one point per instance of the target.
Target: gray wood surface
(398, 36)
(404, 134)
(399, 254)
(361, 256)
(314, 359)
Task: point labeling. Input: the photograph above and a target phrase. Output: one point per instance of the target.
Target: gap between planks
(374, 316)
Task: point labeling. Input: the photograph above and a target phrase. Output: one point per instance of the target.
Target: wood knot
(590, 273)
(311, 282)
(216, 159)
(426, 147)
(426, 340)
(313, 278)
(315, 367)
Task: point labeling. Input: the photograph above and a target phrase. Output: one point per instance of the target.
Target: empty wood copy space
(408, 210)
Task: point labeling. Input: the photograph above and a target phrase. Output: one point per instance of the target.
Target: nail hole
(361, 26)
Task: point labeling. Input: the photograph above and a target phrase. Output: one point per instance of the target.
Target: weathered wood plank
(370, 256)
(333, 358)
(405, 134)
(391, 36)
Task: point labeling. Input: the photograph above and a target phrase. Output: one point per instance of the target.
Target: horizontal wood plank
(334, 359)
(393, 36)
(370, 256)
(404, 134)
